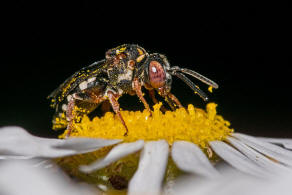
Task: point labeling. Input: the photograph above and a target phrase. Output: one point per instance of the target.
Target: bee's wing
(65, 88)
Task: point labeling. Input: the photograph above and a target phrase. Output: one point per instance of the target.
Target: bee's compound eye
(156, 74)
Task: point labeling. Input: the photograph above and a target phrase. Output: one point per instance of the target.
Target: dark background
(234, 46)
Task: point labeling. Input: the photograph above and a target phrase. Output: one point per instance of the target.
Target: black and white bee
(124, 70)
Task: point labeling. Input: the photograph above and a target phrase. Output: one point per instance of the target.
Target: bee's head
(155, 72)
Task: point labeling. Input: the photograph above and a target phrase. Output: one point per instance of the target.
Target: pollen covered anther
(196, 125)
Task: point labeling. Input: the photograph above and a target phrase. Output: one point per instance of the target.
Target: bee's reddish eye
(156, 74)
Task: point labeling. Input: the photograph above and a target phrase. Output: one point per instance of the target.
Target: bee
(125, 70)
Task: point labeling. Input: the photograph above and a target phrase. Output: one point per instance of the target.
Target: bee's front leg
(155, 101)
(174, 99)
(170, 98)
(170, 103)
(137, 87)
(152, 96)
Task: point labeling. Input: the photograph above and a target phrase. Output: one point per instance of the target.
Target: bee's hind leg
(71, 113)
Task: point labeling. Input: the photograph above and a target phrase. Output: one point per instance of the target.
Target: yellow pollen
(121, 50)
(191, 124)
(210, 89)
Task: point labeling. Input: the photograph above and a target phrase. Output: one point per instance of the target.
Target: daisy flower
(165, 145)
(156, 150)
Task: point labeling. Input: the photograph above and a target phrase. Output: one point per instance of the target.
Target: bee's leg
(86, 96)
(152, 96)
(174, 99)
(170, 103)
(70, 115)
(116, 107)
(170, 98)
(155, 101)
(137, 88)
(105, 106)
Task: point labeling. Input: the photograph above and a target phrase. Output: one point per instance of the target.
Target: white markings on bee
(153, 69)
(64, 107)
(91, 79)
(60, 114)
(83, 85)
(69, 97)
(126, 76)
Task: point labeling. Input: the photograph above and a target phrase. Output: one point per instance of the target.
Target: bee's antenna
(191, 85)
(196, 75)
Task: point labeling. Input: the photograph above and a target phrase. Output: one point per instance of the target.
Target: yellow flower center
(191, 124)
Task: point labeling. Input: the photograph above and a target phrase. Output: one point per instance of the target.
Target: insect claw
(150, 113)
(126, 134)
(123, 122)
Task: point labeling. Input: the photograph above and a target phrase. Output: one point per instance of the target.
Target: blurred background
(43, 44)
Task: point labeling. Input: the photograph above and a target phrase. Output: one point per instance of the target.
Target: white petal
(287, 143)
(21, 177)
(235, 158)
(3, 157)
(84, 145)
(278, 153)
(15, 142)
(116, 153)
(255, 156)
(190, 158)
(234, 183)
(149, 176)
